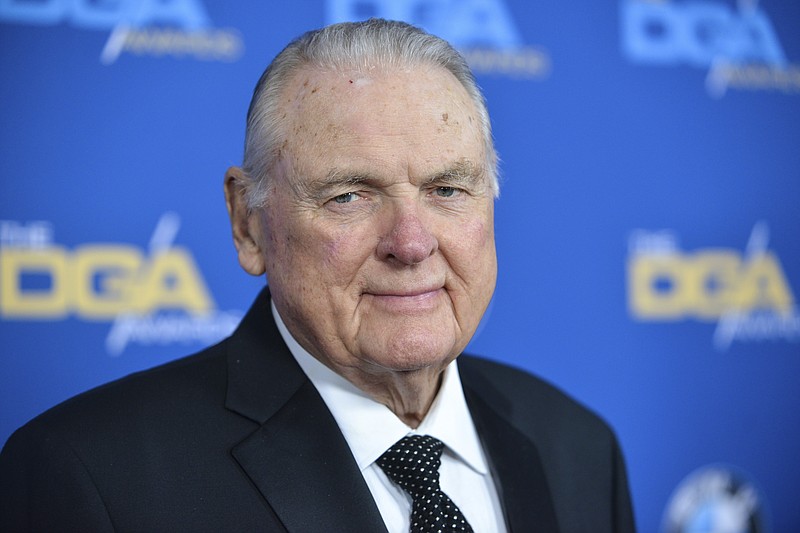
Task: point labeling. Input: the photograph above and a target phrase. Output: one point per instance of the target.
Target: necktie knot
(413, 464)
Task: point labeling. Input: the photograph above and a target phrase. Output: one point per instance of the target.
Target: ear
(244, 222)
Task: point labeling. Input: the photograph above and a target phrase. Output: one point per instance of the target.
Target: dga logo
(738, 45)
(747, 294)
(715, 499)
(483, 30)
(177, 28)
(154, 298)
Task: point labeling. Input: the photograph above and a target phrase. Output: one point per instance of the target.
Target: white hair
(347, 45)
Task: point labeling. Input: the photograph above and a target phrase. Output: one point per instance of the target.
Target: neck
(408, 394)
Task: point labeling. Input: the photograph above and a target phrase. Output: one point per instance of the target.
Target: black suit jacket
(236, 438)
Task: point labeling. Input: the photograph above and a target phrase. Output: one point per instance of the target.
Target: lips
(412, 300)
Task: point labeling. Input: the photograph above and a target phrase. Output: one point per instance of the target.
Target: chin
(416, 351)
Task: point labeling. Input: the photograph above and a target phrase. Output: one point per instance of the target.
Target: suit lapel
(297, 458)
(302, 465)
(516, 467)
(299, 461)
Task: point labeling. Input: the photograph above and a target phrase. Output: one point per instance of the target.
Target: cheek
(334, 249)
(475, 239)
(471, 254)
(341, 252)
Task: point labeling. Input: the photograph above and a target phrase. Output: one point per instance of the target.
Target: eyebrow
(338, 179)
(463, 174)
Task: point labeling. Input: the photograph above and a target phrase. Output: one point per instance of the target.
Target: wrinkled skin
(377, 237)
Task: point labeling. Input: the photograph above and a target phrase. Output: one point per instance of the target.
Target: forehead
(416, 116)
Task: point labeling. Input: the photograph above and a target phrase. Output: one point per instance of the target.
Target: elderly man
(366, 197)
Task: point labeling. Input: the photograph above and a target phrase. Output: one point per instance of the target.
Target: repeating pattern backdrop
(647, 229)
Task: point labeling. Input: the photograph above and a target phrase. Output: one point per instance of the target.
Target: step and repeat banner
(648, 227)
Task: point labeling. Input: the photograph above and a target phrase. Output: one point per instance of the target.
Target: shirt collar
(370, 428)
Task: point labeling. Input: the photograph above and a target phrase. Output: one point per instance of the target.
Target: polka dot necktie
(413, 464)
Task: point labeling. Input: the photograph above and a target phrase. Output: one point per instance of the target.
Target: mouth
(407, 301)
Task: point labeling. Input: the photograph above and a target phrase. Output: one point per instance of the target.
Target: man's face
(378, 237)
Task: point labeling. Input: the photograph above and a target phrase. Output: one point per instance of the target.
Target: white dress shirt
(370, 428)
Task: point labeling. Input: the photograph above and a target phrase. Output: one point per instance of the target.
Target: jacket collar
(515, 461)
(297, 458)
(299, 461)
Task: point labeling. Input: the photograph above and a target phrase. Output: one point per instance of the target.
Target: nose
(409, 239)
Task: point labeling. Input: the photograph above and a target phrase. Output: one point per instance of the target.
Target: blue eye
(345, 198)
(445, 192)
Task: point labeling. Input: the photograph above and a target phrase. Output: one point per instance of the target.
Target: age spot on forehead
(360, 82)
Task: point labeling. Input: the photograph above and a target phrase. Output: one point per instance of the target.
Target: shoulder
(156, 399)
(62, 468)
(578, 450)
(530, 403)
(171, 381)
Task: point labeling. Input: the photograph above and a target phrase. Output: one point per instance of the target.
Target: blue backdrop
(647, 229)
